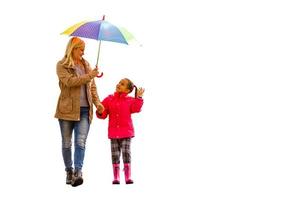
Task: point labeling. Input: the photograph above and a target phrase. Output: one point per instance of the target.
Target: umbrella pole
(98, 53)
(99, 76)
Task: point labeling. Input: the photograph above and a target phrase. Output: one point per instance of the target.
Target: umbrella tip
(103, 17)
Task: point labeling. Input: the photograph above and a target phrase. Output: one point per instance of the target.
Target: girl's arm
(136, 105)
(138, 101)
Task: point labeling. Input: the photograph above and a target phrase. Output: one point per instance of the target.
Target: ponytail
(131, 86)
(135, 91)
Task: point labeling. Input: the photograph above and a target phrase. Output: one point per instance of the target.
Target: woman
(75, 106)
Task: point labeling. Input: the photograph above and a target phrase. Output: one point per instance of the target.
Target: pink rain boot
(127, 171)
(116, 169)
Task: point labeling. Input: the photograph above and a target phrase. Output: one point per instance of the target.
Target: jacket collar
(120, 94)
(73, 66)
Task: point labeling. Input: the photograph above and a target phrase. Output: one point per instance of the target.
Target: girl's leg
(115, 152)
(126, 154)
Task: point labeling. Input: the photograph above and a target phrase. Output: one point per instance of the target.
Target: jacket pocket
(65, 105)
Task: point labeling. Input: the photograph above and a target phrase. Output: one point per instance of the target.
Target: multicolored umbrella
(100, 30)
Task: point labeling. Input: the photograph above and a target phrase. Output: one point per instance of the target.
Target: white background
(221, 113)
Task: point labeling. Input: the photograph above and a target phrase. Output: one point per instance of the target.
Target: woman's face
(78, 52)
(122, 86)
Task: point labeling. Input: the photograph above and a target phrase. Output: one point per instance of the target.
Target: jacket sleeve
(105, 113)
(95, 96)
(94, 93)
(136, 105)
(69, 79)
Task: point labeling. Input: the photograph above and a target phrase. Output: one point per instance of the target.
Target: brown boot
(69, 176)
(77, 179)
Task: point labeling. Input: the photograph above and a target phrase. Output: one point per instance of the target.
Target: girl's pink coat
(119, 108)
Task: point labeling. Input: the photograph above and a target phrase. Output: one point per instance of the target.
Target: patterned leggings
(118, 145)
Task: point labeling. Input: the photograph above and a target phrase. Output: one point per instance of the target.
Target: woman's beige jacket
(68, 105)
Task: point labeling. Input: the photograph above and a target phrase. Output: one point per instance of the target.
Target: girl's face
(78, 52)
(122, 86)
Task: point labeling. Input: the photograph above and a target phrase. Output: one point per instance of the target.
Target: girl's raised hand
(140, 92)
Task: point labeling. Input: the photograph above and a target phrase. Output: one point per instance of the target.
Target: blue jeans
(81, 130)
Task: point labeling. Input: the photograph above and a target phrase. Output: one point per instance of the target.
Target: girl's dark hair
(131, 86)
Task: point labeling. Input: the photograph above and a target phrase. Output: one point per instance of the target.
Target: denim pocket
(65, 105)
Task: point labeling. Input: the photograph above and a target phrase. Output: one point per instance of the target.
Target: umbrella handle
(99, 76)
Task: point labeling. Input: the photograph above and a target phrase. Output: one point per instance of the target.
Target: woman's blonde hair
(74, 42)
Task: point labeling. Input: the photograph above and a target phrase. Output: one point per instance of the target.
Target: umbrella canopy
(100, 30)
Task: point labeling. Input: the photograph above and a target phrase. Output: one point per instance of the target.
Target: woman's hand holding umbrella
(94, 72)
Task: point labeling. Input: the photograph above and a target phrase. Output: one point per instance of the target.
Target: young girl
(119, 107)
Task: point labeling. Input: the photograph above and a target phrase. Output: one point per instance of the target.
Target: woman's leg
(66, 128)
(81, 132)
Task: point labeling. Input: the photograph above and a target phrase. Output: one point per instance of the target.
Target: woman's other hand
(100, 108)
